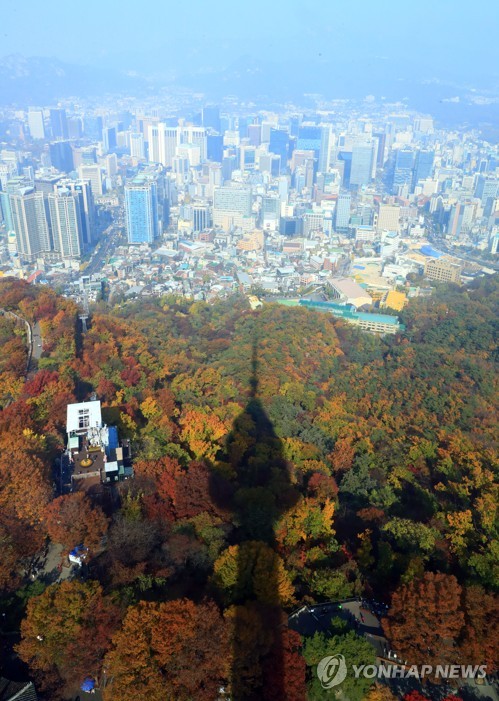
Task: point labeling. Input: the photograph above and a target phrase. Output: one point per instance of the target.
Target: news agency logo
(332, 671)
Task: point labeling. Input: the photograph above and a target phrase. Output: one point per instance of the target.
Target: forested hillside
(276, 441)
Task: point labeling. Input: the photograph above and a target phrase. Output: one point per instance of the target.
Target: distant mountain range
(292, 79)
(37, 80)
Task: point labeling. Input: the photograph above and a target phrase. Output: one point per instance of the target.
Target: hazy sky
(454, 38)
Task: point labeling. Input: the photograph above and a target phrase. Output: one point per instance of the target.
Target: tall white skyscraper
(83, 190)
(196, 136)
(35, 123)
(94, 175)
(66, 220)
(163, 141)
(29, 222)
(137, 145)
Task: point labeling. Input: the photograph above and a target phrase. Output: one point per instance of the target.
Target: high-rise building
(200, 216)
(29, 222)
(380, 154)
(345, 165)
(137, 149)
(229, 165)
(343, 205)
(461, 218)
(109, 139)
(196, 136)
(75, 128)
(279, 144)
(325, 149)
(486, 188)
(271, 212)
(163, 141)
(210, 118)
(255, 134)
(61, 156)
(269, 163)
(8, 170)
(215, 147)
(93, 127)
(141, 210)
(231, 205)
(361, 170)
(111, 164)
(82, 189)
(66, 222)
(94, 175)
(309, 138)
(35, 123)
(423, 166)
(59, 124)
(403, 169)
(247, 155)
(388, 218)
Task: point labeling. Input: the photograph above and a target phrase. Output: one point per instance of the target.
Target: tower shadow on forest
(263, 492)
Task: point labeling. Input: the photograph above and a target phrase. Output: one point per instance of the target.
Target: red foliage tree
(284, 670)
(425, 620)
(71, 519)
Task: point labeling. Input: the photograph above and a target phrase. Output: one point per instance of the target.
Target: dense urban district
(248, 393)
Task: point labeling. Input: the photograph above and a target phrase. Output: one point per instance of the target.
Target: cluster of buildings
(95, 456)
(206, 201)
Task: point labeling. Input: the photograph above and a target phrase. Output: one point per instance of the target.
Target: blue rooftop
(431, 252)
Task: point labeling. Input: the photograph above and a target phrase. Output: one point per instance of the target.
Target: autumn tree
(284, 669)
(253, 570)
(67, 630)
(479, 643)
(425, 620)
(71, 519)
(380, 692)
(25, 487)
(173, 651)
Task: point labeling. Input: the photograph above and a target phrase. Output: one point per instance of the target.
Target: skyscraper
(66, 221)
(137, 149)
(29, 222)
(93, 127)
(423, 166)
(141, 210)
(163, 141)
(94, 175)
(279, 143)
(210, 117)
(345, 163)
(403, 167)
(109, 139)
(362, 156)
(215, 147)
(197, 136)
(201, 217)
(35, 123)
(61, 156)
(59, 123)
(325, 148)
(83, 190)
(343, 205)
